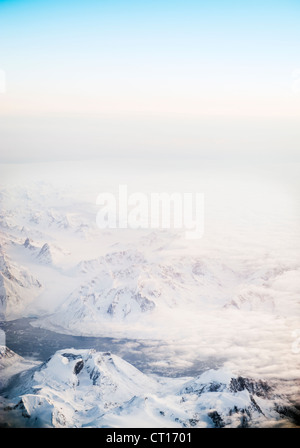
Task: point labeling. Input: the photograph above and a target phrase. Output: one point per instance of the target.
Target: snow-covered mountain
(44, 256)
(39, 210)
(17, 287)
(85, 388)
(128, 284)
(230, 298)
(7, 357)
(12, 364)
(252, 298)
(155, 272)
(125, 284)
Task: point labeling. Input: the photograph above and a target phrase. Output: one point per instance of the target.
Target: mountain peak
(45, 255)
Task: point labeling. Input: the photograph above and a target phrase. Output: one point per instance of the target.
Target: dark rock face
(78, 367)
(217, 419)
(211, 387)
(20, 406)
(244, 422)
(27, 242)
(259, 388)
(94, 375)
(292, 412)
(69, 356)
(255, 405)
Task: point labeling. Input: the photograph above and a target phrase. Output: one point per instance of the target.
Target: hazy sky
(95, 78)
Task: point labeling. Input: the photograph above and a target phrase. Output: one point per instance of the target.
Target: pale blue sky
(98, 77)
